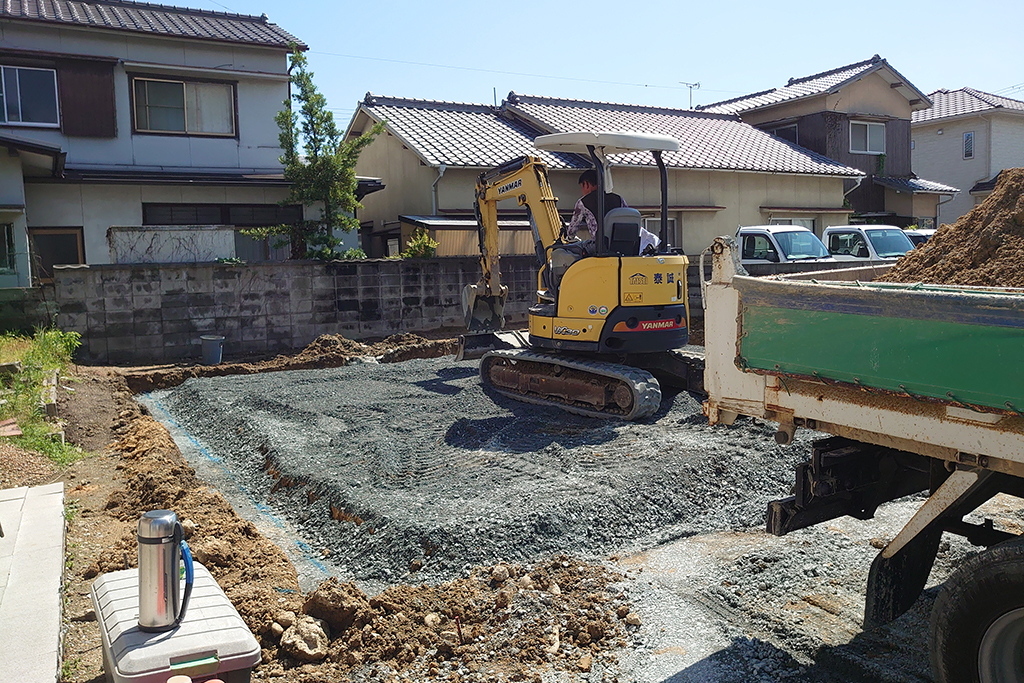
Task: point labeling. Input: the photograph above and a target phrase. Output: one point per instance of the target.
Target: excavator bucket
(484, 311)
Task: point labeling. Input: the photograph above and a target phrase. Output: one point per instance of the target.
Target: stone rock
(622, 611)
(526, 583)
(415, 566)
(585, 662)
(286, 619)
(189, 527)
(340, 604)
(306, 640)
(554, 589)
(633, 619)
(214, 551)
(277, 630)
(432, 620)
(499, 574)
(504, 599)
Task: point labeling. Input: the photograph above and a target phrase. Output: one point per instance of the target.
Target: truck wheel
(977, 624)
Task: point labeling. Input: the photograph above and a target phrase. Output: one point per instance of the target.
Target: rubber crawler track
(644, 387)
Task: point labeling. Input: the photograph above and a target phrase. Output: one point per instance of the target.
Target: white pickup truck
(922, 388)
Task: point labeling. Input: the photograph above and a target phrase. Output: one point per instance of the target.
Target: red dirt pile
(326, 351)
(984, 248)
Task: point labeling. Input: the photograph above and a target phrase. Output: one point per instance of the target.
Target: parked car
(866, 242)
(779, 244)
(919, 236)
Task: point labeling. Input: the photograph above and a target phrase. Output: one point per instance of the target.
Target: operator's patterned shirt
(582, 214)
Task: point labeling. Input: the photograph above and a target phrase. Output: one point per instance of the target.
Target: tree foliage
(323, 175)
(420, 245)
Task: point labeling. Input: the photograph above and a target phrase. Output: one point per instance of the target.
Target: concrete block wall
(22, 309)
(156, 313)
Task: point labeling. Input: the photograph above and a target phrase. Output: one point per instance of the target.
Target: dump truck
(919, 388)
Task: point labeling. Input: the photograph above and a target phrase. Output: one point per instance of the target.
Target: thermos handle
(186, 556)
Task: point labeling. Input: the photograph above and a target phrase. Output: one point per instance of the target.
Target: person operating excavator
(586, 206)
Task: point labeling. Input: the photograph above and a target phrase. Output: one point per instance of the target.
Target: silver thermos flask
(161, 543)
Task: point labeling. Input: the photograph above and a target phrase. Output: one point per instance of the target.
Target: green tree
(323, 175)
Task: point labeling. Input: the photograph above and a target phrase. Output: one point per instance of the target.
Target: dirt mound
(984, 248)
(326, 351)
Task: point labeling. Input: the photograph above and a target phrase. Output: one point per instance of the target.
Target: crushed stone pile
(984, 248)
(413, 472)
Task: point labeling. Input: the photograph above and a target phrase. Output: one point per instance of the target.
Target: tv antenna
(692, 87)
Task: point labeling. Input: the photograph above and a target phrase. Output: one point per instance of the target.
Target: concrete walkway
(31, 564)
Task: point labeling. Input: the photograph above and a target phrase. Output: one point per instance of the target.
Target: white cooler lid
(211, 639)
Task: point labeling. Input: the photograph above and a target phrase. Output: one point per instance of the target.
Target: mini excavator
(609, 322)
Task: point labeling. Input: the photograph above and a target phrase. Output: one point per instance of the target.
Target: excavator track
(591, 388)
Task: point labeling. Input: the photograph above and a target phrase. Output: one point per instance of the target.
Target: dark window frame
(968, 135)
(78, 231)
(148, 208)
(11, 249)
(133, 77)
(867, 137)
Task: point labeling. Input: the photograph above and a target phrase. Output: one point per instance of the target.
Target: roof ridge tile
(875, 59)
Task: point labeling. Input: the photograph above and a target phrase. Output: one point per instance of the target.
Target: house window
(969, 145)
(802, 222)
(56, 247)
(238, 215)
(786, 133)
(183, 107)
(7, 262)
(867, 138)
(29, 97)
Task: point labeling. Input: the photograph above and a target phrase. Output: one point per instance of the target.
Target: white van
(866, 242)
(779, 244)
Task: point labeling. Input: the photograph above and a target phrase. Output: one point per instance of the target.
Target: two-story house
(125, 121)
(859, 115)
(965, 139)
(727, 173)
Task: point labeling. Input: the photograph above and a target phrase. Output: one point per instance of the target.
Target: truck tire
(977, 623)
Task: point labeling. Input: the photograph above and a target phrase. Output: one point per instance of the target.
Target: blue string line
(263, 509)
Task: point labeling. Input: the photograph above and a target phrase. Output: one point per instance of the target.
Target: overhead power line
(509, 73)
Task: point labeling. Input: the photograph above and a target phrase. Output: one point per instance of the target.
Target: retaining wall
(137, 313)
(150, 313)
(22, 309)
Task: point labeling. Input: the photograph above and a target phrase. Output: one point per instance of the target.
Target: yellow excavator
(609, 320)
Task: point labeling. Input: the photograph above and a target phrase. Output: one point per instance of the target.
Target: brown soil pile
(508, 619)
(326, 351)
(984, 248)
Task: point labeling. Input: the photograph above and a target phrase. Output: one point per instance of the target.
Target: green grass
(42, 353)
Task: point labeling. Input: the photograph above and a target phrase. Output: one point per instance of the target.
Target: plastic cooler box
(211, 642)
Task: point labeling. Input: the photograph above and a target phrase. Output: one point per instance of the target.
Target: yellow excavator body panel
(658, 280)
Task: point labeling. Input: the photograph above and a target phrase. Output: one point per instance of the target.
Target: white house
(965, 139)
(125, 121)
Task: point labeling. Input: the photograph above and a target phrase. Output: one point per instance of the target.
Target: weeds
(47, 350)
(69, 668)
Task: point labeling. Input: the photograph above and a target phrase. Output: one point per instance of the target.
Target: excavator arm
(526, 180)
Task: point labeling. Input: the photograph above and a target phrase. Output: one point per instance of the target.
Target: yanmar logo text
(567, 332)
(508, 187)
(657, 324)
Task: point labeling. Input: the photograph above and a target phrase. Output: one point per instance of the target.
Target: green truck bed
(957, 345)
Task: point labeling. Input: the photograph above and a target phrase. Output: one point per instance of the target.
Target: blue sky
(639, 51)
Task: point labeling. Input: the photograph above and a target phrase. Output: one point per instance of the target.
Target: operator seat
(622, 231)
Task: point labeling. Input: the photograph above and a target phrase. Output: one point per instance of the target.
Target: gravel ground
(413, 464)
(421, 466)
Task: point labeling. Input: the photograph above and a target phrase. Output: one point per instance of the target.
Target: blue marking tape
(263, 509)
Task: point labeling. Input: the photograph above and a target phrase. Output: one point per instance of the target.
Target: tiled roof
(143, 17)
(457, 134)
(949, 103)
(811, 86)
(914, 185)
(707, 141)
(986, 185)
